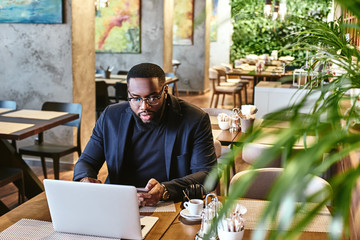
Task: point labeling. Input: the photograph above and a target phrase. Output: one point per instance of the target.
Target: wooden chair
(122, 72)
(221, 152)
(10, 105)
(222, 90)
(252, 151)
(121, 92)
(102, 97)
(12, 175)
(230, 79)
(261, 186)
(55, 151)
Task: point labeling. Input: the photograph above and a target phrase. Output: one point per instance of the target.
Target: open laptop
(105, 210)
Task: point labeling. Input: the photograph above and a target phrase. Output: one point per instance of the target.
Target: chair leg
(240, 98)
(223, 100)
(56, 167)
(43, 164)
(21, 188)
(212, 98)
(234, 99)
(216, 100)
(245, 91)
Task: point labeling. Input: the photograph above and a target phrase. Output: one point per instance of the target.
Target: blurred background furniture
(252, 151)
(122, 72)
(175, 64)
(231, 79)
(12, 175)
(9, 105)
(223, 90)
(266, 177)
(102, 97)
(121, 92)
(55, 151)
(172, 85)
(221, 151)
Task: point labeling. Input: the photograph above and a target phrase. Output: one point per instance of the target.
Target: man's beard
(155, 122)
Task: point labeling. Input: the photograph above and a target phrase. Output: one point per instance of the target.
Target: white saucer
(186, 214)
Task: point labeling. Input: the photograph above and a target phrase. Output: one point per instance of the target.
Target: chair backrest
(8, 104)
(228, 66)
(216, 111)
(102, 96)
(74, 108)
(213, 75)
(221, 71)
(252, 151)
(261, 186)
(122, 72)
(121, 91)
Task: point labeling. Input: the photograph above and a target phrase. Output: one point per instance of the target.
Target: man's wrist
(165, 195)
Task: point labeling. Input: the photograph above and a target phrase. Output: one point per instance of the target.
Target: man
(153, 140)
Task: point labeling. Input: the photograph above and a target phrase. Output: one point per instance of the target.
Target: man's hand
(90, 180)
(153, 196)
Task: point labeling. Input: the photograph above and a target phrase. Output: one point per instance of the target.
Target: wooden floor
(9, 193)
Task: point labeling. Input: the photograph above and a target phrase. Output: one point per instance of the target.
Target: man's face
(146, 88)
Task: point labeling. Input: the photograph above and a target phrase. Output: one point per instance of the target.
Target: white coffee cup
(224, 125)
(194, 206)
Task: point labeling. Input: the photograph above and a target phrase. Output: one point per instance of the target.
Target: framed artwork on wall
(183, 23)
(31, 11)
(117, 26)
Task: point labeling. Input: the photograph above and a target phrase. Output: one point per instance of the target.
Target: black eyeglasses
(153, 100)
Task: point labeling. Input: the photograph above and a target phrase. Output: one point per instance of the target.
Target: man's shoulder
(187, 109)
(117, 108)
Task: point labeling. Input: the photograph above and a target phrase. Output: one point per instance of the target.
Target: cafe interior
(284, 113)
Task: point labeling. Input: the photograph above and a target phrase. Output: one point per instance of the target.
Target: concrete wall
(193, 59)
(36, 66)
(35, 62)
(151, 40)
(220, 49)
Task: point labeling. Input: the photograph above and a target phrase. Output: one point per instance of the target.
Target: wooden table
(257, 75)
(169, 226)
(37, 208)
(10, 157)
(225, 137)
(181, 229)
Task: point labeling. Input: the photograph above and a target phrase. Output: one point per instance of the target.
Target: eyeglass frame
(140, 100)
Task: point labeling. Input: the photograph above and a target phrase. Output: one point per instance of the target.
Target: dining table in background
(19, 124)
(269, 73)
(171, 225)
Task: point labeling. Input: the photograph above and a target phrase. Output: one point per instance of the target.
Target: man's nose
(144, 104)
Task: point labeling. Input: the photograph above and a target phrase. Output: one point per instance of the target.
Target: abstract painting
(213, 21)
(31, 11)
(117, 27)
(183, 26)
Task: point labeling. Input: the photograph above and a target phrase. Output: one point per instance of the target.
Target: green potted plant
(328, 122)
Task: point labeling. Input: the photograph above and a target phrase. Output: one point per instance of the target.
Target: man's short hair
(147, 70)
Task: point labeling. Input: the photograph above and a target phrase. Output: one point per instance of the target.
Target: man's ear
(166, 89)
